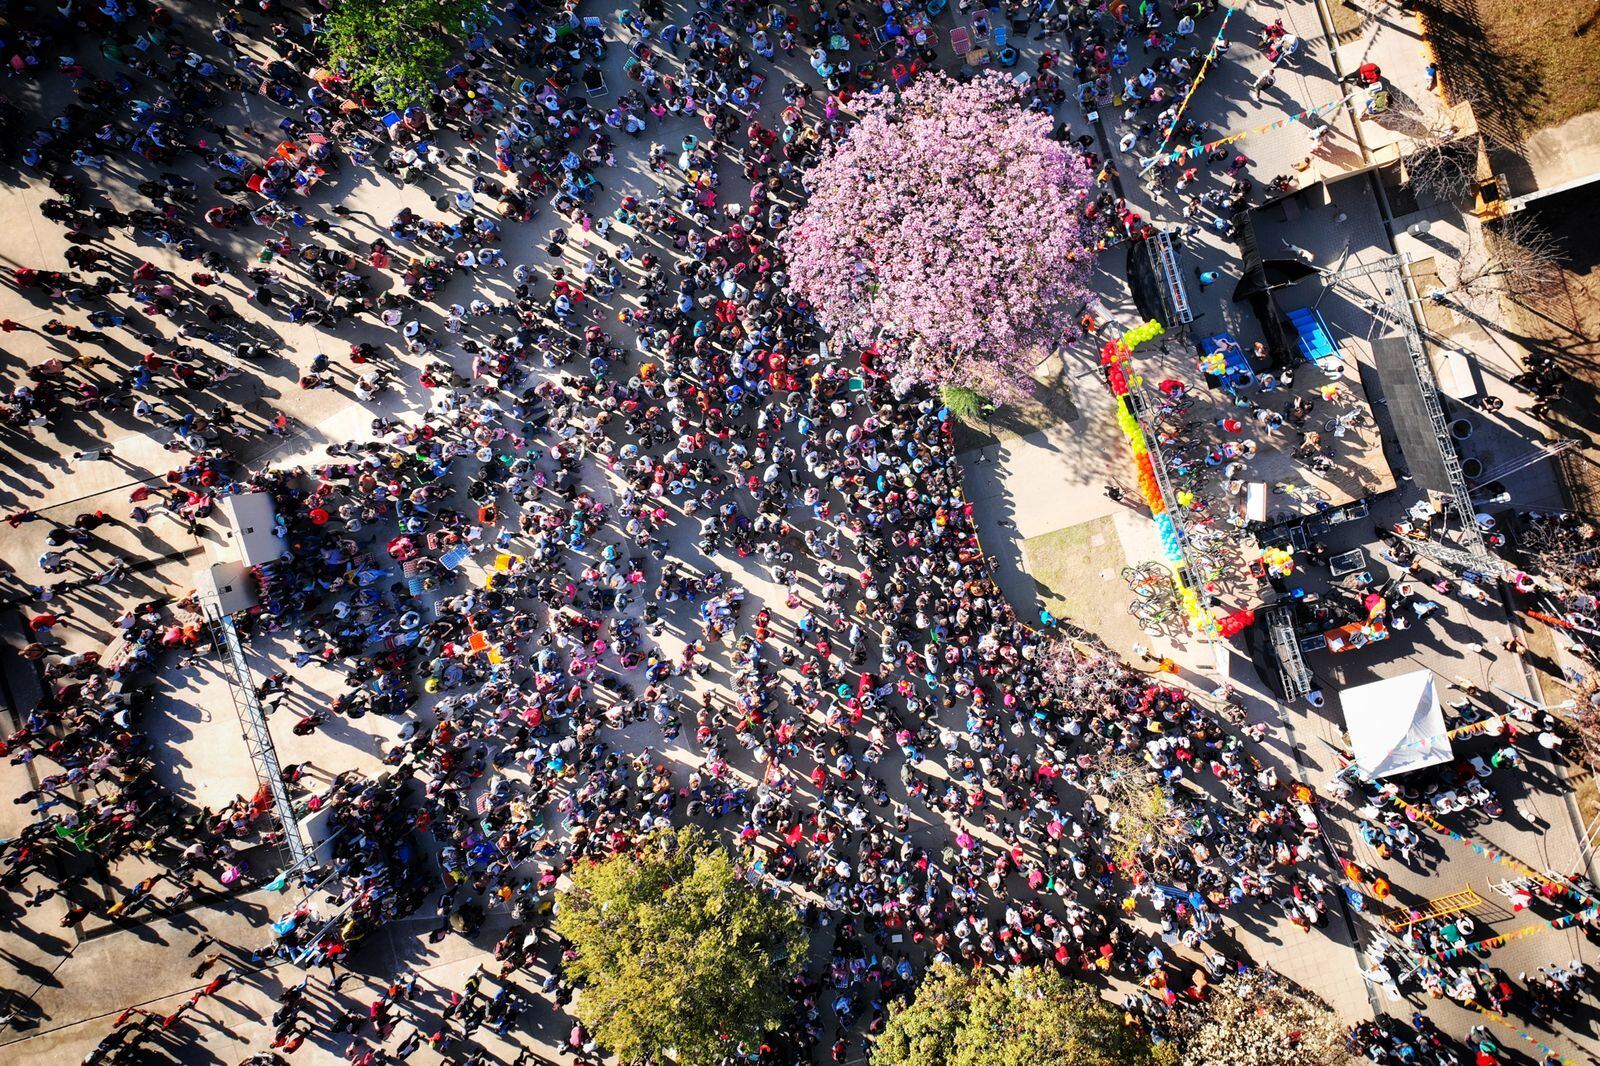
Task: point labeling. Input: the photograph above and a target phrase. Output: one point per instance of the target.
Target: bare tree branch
(1440, 161)
(1513, 255)
(1443, 172)
(1142, 818)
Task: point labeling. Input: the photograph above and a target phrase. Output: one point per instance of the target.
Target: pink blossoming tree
(948, 227)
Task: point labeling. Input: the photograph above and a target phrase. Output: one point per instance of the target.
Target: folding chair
(960, 43)
(413, 579)
(594, 83)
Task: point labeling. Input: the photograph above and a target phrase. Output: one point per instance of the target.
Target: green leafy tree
(676, 952)
(967, 1018)
(398, 48)
(965, 404)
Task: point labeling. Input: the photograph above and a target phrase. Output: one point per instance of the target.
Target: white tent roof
(1396, 725)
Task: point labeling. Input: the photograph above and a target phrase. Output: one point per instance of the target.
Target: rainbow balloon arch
(1123, 380)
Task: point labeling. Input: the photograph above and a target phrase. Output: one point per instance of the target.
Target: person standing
(205, 964)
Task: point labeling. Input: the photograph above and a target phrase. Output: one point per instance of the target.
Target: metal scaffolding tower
(1473, 553)
(253, 727)
(1285, 644)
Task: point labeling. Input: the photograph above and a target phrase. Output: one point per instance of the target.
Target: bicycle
(1149, 581)
(1303, 493)
(1175, 426)
(1339, 425)
(1209, 538)
(1149, 615)
(1206, 567)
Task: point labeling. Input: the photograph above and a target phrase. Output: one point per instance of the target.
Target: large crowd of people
(616, 404)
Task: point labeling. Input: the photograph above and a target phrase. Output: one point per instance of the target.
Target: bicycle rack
(1139, 404)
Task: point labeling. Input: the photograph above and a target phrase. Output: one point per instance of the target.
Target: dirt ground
(1585, 791)
(1563, 321)
(1525, 66)
(1348, 19)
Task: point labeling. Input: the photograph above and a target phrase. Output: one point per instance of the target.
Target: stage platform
(1341, 416)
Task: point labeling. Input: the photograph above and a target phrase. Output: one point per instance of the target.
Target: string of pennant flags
(1200, 75)
(1493, 854)
(1477, 727)
(1544, 1049)
(1185, 153)
(1493, 942)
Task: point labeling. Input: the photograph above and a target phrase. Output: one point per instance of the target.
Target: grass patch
(1077, 575)
(1348, 19)
(1526, 67)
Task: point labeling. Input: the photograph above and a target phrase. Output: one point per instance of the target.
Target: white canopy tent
(1396, 725)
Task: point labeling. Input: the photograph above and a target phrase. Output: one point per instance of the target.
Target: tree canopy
(1257, 1018)
(398, 48)
(948, 228)
(967, 1018)
(1144, 816)
(675, 951)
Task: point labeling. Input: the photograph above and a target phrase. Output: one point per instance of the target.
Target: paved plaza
(94, 943)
